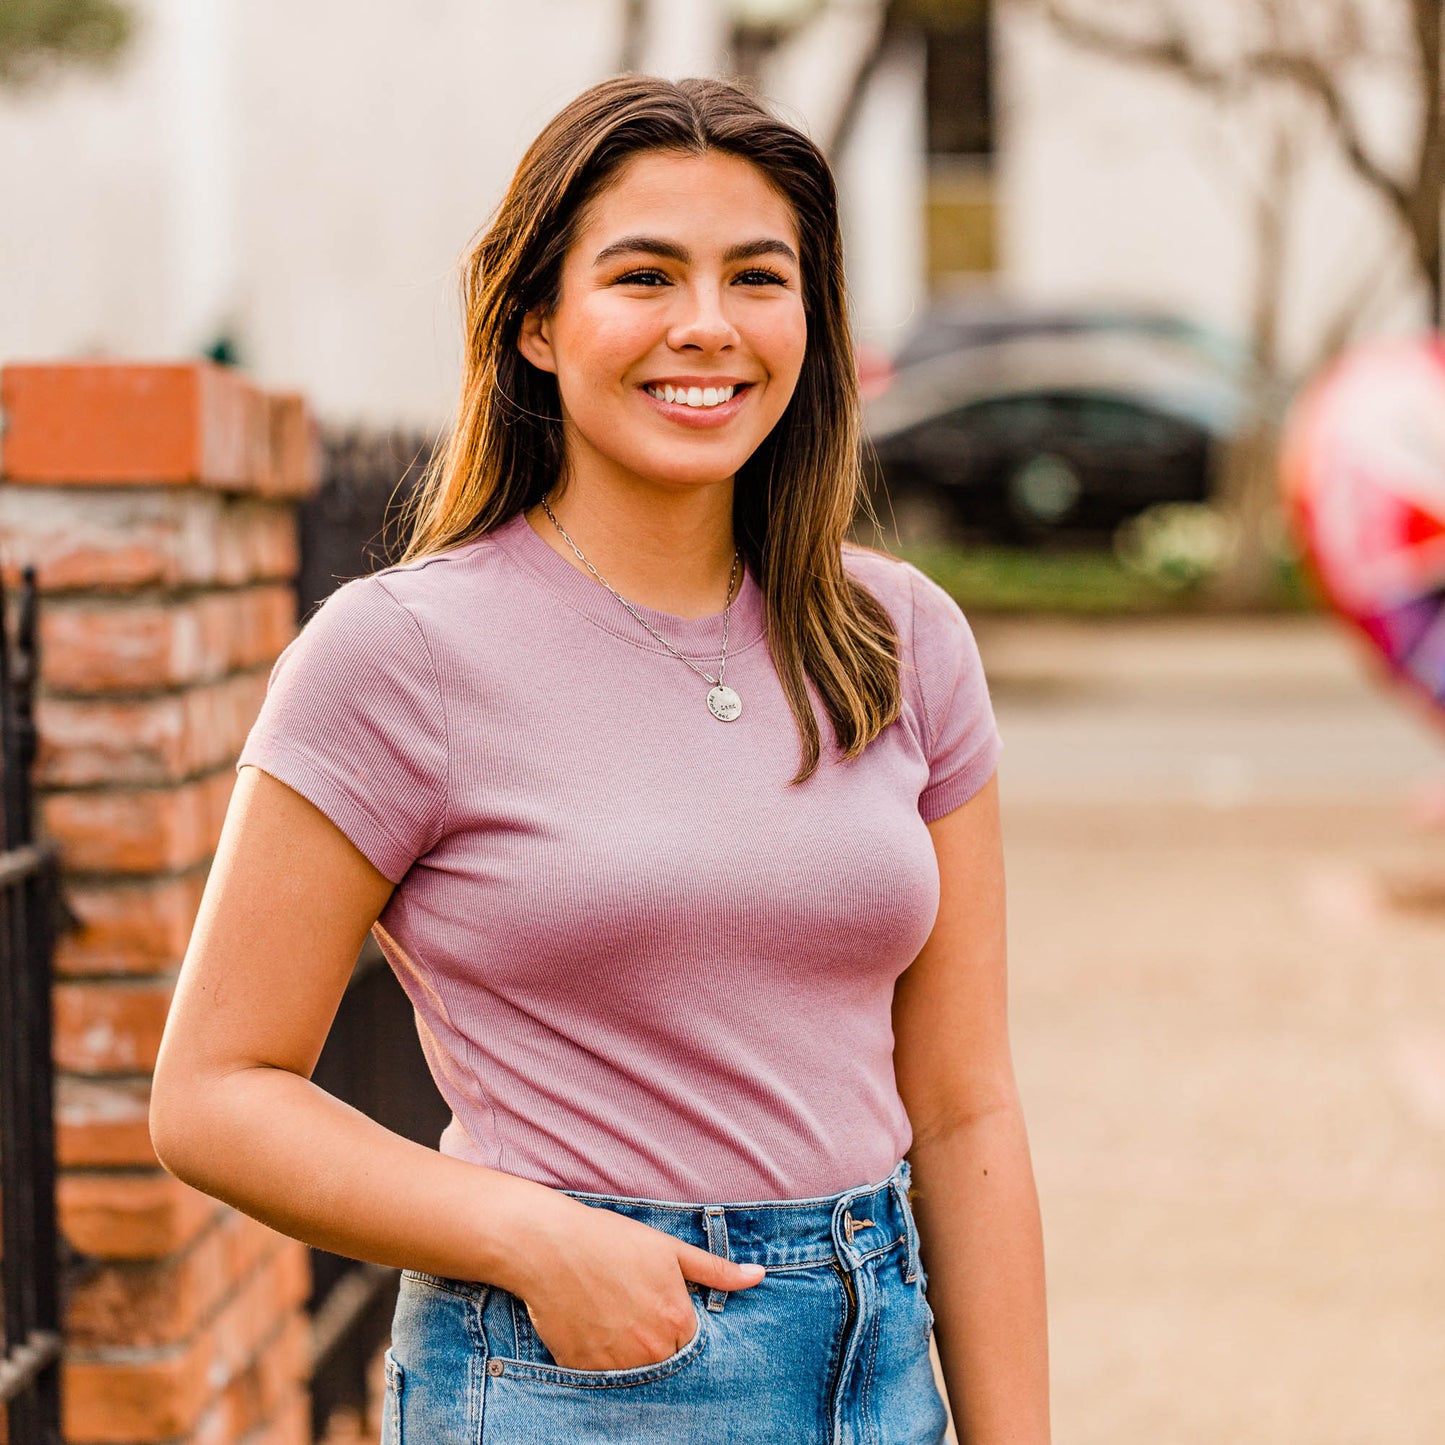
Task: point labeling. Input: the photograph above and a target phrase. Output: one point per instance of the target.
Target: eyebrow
(656, 246)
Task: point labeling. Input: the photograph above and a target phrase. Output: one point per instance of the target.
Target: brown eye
(761, 276)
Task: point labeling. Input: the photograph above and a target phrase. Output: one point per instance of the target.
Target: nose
(701, 322)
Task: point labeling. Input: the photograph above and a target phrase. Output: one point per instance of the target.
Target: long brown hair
(793, 499)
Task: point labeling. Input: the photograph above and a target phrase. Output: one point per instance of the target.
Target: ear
(534, 340)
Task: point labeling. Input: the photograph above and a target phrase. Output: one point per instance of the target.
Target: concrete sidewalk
(1231, 1046)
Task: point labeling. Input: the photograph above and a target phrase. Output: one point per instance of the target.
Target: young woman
(676, 817)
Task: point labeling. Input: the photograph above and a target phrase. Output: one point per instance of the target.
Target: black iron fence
(349, 525)
(372, 1058)
(29, 895)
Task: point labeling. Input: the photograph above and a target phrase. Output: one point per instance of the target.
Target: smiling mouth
(699, 397)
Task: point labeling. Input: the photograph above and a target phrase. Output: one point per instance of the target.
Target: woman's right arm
(287, 906)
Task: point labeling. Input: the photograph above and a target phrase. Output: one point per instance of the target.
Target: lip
(700, 418)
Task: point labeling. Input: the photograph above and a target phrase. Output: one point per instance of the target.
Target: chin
(685, 472)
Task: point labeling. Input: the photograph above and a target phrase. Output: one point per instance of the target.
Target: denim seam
(517, 1309)
(849, 1341)
(865, 1391)
(822, 1262)
(476, 1363)
(882, 1249)
(466, 1289)
(910, 1228)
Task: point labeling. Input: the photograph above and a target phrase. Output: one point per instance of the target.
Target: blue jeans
(830, 1349)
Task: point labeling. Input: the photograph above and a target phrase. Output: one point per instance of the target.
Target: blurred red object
(1363, 470)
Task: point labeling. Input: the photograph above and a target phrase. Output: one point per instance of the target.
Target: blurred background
(1111, 263)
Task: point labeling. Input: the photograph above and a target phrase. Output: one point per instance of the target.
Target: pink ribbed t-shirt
(641, 963)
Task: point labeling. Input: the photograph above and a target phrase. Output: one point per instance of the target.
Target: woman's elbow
(167, 1119)
(177, 1117)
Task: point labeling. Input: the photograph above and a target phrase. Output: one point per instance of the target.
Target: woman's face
(679, 330)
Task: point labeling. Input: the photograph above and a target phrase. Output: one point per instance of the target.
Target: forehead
(712, 197)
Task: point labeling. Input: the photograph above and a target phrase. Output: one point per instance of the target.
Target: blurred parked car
(1025, 424)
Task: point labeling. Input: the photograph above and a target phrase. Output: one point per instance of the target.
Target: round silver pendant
(724, 703)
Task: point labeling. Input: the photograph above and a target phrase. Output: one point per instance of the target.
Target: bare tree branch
(1305, 72)
(1351, 315)
(1172, 52)
(1427, 23)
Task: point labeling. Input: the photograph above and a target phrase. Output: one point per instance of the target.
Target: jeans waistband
(850, 1226)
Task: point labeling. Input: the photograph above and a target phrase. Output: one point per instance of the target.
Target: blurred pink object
(1426, 803)
(875, 370)
(1363, 471)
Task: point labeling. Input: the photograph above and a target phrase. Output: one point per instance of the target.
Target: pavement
(1228, 1018)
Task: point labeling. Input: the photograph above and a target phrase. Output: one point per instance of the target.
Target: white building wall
(88, 241)
(374, 154)
(305, 175)
(883, 183)
(1121, 186)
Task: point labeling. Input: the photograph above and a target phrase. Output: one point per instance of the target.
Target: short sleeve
(353, 720)
(960, 731)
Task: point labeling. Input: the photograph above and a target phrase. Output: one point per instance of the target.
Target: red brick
(147, 1303)
(141, 1215)
(106, 422)
(110, 1401)
(258, 540)
(292, 1425)
(110, 1028)
(159, 739)
(260, 1394)
(132, 927)
(113, 1403)
(295, 447)
(102, 1122)
(276, 1288)
(116, 541)
(139, 830)
(98, 644)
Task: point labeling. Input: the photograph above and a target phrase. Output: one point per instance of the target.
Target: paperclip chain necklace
(722, 701)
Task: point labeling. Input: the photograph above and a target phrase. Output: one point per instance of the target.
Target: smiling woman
(675, 354)
(674, 814)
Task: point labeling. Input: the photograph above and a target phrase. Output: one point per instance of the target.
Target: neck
(670, 550)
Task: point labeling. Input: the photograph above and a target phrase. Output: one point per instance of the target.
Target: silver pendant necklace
(722, 702)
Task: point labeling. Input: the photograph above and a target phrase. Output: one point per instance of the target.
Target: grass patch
(1090, 582)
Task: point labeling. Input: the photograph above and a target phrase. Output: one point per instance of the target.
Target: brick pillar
(158, 504)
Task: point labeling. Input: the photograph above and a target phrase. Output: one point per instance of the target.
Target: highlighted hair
(793, 499)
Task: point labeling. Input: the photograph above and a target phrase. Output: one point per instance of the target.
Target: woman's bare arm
(233, 1112)
(977, 1206)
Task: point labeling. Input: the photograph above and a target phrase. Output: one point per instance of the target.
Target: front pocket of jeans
(543, 1367)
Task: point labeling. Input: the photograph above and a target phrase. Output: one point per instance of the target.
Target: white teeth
(698, 396)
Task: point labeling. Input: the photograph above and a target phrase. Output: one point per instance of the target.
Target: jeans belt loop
(717, 1243)
(900, 1183)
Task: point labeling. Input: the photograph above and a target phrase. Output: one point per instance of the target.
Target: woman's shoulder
(913, 599)
(429, 588)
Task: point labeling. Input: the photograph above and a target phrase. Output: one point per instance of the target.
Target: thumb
(713, 1270)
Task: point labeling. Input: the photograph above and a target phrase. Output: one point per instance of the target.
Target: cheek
(600, 343)
(783, 343)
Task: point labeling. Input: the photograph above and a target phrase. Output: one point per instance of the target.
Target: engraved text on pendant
(724, 703)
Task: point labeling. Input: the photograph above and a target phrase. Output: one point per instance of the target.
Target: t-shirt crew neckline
(698, 637)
